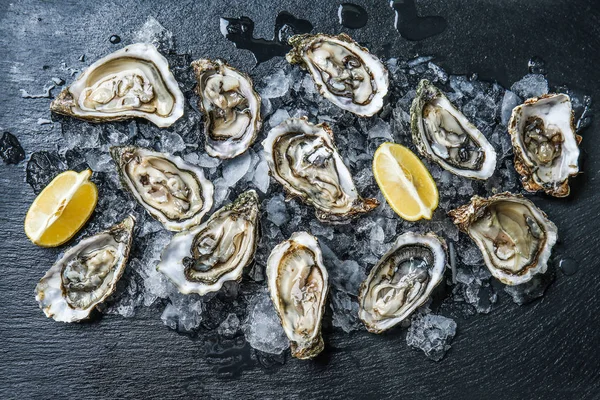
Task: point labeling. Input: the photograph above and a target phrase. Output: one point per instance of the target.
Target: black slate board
(547, 349)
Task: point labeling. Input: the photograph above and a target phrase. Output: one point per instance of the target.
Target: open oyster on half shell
(298, 284)
(230, 105)
(202, 259)
(132, 82)
(545, 143)
(402, 280)
(86, 274)
(514, 236)
(304, 159)
(345, 73)
(443, 134)
(173, 191)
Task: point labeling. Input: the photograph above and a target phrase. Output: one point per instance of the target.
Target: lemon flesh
(405, 182)
(61, 209)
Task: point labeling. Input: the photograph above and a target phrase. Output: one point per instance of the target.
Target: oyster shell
(298, 284)
(444, 135)
(132, 82)
(515, 236)
(202, 259)
(304, 159)
(173, 191)
(345, 73)
(545, 143)
(86, 274)
(402, 280)
(230, 105)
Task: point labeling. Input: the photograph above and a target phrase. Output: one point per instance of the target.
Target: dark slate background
(547, 349)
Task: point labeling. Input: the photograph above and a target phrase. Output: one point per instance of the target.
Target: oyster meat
(230, 105)
(444, 135)
(173, 191)
(545, 143)
(86, 274)
(345, 73)
(298, 284)
(402, 280)
(132, 82)
(514, 236)
(304, 159)
(202, 259)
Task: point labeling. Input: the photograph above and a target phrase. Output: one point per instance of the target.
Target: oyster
(443, 134)
(202, 259)
(230, 105)
(545, 143)
(345, 73)
(402, 280)
(86, 274)
(515, 236)
(132, 82)
(173, 191)
(298, 283)
(304, 159)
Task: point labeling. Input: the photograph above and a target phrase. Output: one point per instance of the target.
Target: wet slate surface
(546, 349)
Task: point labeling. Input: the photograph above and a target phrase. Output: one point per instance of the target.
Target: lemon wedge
(405, 182)
(61, 209)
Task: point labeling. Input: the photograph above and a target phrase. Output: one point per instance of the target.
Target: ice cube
(236, 168)
(229, 326)
(470, 254)
(377, 240)
(531, 85)
(99, 161)
(261, 178)
(381, 129)
(345, 275)
(278, 117)
(78, 135)
(419, 60)
(319, 229)
(156, 285)
(509, 102)
(440, 75)
(206, 161)
(262, 327)
(153, 32)
(275, 85)
(432, 334)
(345, 311)
(184, 313)
(170, 142)
(221, 194)
(308, 84)
(276, 210)
(461, 85)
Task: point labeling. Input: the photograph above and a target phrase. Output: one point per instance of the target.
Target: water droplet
(352, 16)
(568, 266)
(114, 39)
(413, 27)
(240, 31)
